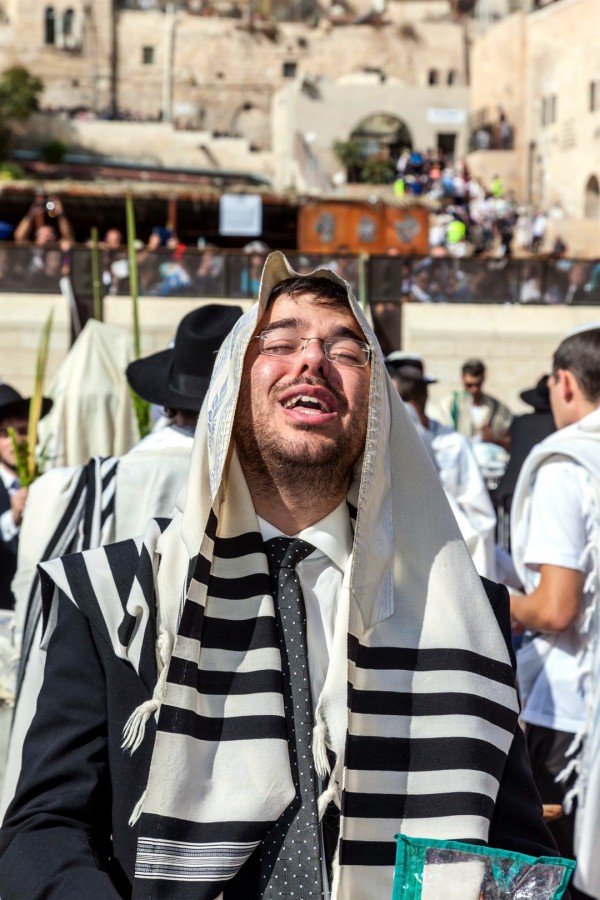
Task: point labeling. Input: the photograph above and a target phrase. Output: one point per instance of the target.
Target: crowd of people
(269, 624)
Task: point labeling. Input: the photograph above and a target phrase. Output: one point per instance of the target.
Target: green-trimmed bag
(450, 870)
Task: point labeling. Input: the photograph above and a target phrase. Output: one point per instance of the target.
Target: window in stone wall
(433, 76)
(594, 96)
(289, 69)
(452, 77)
(148, 56)
(549, 109)
(592, 198)
(68, 23)
(49, 25)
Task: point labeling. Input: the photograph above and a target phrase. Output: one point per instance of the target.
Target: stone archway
(591, 206)
(381, 133)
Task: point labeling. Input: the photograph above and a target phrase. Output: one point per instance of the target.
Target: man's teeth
(306, 402)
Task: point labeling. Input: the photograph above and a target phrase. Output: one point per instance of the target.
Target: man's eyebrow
(297, 324)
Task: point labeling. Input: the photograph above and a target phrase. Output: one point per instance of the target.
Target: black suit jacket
(78, 787)
(8, 556)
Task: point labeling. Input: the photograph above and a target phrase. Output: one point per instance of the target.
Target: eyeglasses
(20, 430)
(342, 351)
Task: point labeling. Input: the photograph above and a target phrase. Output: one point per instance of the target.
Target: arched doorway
(591, 209)
(382, 133)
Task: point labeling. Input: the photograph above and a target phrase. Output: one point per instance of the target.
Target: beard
(318, 465)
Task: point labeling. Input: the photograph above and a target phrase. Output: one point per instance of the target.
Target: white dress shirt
(321, 576)
(8, 528)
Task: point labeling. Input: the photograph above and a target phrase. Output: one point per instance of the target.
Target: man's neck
(290, 513)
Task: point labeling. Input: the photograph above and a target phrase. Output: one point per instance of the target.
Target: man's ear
(569, 387)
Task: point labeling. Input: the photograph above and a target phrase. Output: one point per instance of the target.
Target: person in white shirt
(14, 413)
(457, 466)
(555, 541)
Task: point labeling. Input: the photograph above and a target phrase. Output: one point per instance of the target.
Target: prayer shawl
(70, 510)
(92, 414)
(579, 443)
(419, 705)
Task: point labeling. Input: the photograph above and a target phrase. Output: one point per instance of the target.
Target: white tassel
(329, 795)
(137, 810)
(573, 766)
(319, 748)
(135, 727)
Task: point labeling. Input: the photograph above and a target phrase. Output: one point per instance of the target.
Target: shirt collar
(8, 476)
(332, 535)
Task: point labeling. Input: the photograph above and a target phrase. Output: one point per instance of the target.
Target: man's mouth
(309, 400)
(308, 403)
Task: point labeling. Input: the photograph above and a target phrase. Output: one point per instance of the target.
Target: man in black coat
(14, 413)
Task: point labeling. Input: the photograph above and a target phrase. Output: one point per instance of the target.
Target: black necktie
(290, 855)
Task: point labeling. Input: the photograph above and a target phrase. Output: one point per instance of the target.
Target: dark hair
(474, 367)
(326, 291)
(580, 355)
(411, 390)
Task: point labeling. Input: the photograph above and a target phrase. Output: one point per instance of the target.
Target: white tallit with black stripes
(419, 704)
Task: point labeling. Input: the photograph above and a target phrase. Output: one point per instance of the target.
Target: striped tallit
(418, 708)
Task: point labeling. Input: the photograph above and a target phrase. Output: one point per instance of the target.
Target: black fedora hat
(178, 378)
(14, 406)
(538, 396)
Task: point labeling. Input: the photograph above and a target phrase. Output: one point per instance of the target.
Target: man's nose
(313, 357)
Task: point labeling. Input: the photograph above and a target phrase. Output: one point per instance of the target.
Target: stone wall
(515, 342)
(521, 63)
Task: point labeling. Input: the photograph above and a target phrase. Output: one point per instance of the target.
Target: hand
(58, 207)
(17, 504)
(487, 435)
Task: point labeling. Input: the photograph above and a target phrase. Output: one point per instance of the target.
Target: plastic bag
(449, 870)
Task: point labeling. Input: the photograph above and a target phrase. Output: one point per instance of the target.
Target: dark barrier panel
(388, 279)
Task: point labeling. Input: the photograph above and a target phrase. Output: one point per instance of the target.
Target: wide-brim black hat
(538, 396)
(178, 378)
(14, 406)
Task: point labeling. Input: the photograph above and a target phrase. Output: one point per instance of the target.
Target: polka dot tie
(290, 855)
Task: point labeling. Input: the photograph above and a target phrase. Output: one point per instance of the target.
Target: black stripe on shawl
(433, 660)
(192, 620)
(175, 720)
(224, 683)
(107, 476)
(127, 564)
(367, 853)
(34, 603)
(75, 569)
(239, 634)
(90, 500)
(381, 754)
(416, 806)
(107, 511)
(166, 828)
(391, 703)
(253, 585)
(376, 853)
(240, 545)
(211, 525)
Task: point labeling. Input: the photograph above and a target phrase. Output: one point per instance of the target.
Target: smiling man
(305, 658)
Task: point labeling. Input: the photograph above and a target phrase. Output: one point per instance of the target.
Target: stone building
(216, 69)
(540, 66)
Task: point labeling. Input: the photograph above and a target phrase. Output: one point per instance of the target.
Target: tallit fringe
(320, 743)
(135, 727)
(332, 792)
(137, 810)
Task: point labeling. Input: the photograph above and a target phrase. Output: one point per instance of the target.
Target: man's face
(303, 410)
(473, 384)
(7, 450)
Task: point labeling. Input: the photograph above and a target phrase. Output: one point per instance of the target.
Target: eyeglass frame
(327, 344)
